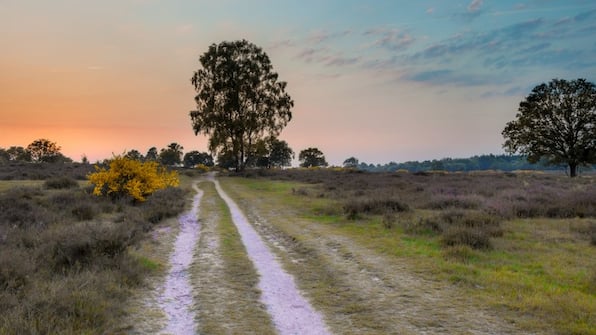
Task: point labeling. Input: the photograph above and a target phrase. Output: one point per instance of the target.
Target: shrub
(465, 235)
(163, 204)
(60, 183)
(388, 220)
(353, 207)
(463, 202)
(129, 177)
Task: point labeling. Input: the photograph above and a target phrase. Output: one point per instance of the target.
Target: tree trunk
(572, 170)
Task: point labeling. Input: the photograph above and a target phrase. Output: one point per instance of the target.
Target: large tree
(557, 123)
(44, 150)
(312, 157)
(239, 99)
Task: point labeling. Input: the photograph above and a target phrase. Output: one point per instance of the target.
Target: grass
(226, 279)
(66, 259)
(537, 268)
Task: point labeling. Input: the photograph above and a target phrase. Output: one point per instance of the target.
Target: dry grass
(532, 263)
(65, 260)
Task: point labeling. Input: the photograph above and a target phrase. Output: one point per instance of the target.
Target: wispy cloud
(392, 39)
(474, 6)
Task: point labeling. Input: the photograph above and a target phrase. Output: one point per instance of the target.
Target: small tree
(171, 155)
(18, 154)
(134, 154)
(351, 163)
(239, 99)
(312, 157)
(131, 177)
(151, 154)
(557, 123)
(193, 158)
(280, 153)
(271, 152)
(4, 156)
(43, 150)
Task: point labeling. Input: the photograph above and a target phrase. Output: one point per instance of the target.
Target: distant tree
(171, 155)
(193, 158)
(557, 123)
(18, 154)
(151, 155)
(351, 163)
(312, 157)
(43, 150)
(4, 156)
(437, 165)
(84, 159)
(280, 153)
(134, 154)
(239, 100)
(272, 152)
(259, 155)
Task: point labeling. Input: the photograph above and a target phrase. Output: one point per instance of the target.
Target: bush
(163, 204)
(353, 207)
(130, 177)
(464, 235)
(60, 183)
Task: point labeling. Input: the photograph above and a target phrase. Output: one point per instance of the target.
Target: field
(67, 260)
(520, 245)
(397, 253)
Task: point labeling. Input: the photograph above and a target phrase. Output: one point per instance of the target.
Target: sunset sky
(383, 81)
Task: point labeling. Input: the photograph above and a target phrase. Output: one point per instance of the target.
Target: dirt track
(297, 259)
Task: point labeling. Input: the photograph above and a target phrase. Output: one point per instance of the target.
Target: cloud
(585, 15)
(451, 77)
(310, 54)
(474, 6)
(391, 39)
(321, 36)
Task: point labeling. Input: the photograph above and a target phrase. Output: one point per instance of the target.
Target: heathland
(374, 253)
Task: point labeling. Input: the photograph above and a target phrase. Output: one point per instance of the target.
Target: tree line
(474, 163)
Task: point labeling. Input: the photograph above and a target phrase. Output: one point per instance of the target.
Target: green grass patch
(539, 272)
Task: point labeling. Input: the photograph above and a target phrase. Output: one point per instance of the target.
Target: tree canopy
(171, 155)
(44, 150)
(556, 123)
(351, 162)
(312, 157)
(272, 153)
(239, 99)
(194, 157)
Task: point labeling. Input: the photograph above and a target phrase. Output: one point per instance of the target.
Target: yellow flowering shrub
(131, 177)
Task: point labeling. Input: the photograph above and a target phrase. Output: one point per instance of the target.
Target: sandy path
(290, 311)
(176, 299)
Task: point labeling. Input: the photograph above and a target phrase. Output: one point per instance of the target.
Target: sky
(380, 80)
